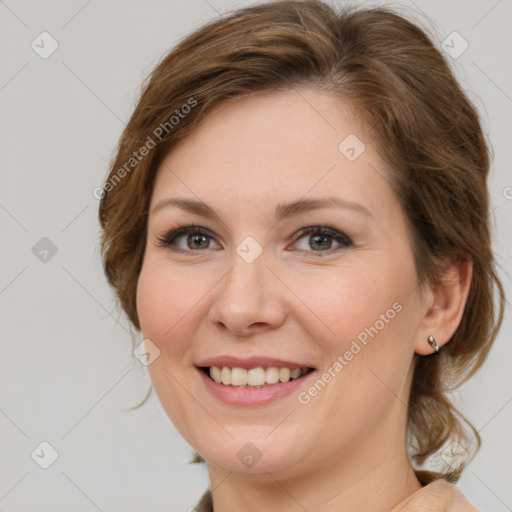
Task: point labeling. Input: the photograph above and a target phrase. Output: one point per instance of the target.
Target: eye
(320, 239)
(196, 239)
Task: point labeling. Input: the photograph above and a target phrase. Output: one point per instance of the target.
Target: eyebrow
(283, 210)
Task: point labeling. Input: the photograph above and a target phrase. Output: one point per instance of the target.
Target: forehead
(281, 145)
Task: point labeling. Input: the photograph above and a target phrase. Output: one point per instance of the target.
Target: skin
(346, 448)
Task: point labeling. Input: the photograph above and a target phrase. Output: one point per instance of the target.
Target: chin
(254, 456)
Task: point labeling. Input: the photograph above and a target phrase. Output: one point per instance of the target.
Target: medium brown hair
(425, 128)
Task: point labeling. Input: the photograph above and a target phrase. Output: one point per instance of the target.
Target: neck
(377, 476)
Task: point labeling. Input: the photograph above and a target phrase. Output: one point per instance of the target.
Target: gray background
(66, 367)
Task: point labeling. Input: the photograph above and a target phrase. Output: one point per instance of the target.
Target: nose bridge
(244, 277)
(243, 288)
(247, 297)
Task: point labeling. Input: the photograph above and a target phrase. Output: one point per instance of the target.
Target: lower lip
(252, 396)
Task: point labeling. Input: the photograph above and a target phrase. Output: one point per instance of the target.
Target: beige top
(436, 495)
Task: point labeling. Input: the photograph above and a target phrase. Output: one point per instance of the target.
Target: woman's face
(271, 276)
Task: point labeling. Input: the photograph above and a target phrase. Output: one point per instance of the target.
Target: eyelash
(168, 239)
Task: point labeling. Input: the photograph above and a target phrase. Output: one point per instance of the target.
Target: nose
(248, 300)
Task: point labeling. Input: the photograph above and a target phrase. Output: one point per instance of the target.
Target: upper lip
(250, 362)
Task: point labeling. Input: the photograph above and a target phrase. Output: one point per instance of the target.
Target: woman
(297, 221)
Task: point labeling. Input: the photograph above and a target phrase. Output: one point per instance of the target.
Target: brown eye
(198, 241)
(320, 242)
(320, 239)
(187, 239)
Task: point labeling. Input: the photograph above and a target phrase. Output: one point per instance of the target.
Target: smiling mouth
(259, 377)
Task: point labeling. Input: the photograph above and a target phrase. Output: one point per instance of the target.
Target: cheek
(369, 318)
(344, 302)
(165, 305)
(163, 302)
(151, 305)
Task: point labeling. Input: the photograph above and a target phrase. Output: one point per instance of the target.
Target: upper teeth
(254, 376)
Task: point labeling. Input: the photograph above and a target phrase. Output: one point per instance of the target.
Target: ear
(444, 306)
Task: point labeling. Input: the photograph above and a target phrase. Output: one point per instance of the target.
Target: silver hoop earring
(433, 343)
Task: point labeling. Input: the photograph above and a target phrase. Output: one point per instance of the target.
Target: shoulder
(439, 495)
